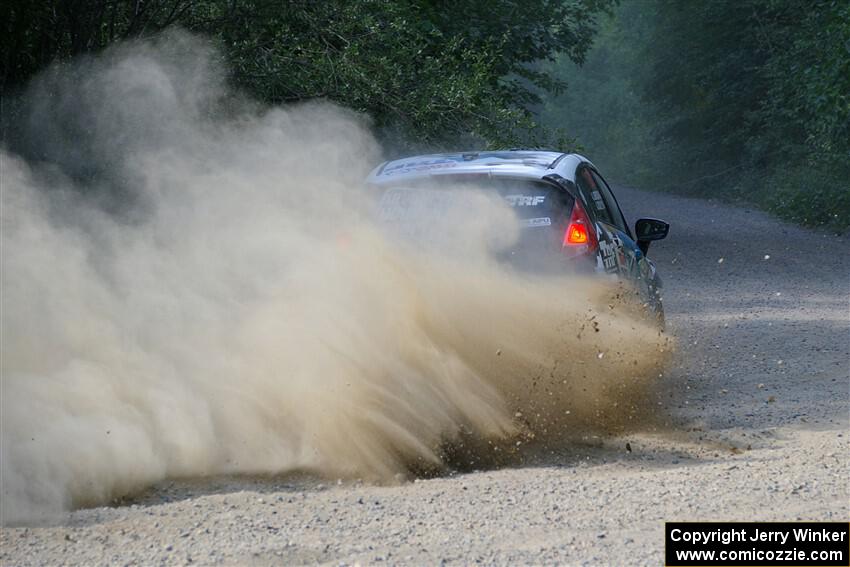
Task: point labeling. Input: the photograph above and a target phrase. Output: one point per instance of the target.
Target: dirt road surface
(757, 402)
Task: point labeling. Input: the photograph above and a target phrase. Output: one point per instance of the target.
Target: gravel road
(757, 406)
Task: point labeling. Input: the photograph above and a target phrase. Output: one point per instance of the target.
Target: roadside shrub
(817, 196)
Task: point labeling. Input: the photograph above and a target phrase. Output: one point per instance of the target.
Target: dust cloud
(191, 286)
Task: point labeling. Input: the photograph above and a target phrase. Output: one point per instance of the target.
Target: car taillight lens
(576, 234)
(580, 237)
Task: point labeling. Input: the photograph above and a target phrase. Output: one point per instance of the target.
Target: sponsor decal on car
(597, 199)
(609, 259)
(531, 223)
(525, 200)
(418, 165)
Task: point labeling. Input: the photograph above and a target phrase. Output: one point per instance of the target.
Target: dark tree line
(745, 99)
(427, 70)
(748, 99)
(755, 79)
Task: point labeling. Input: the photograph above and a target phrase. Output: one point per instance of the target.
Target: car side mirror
(648, 230)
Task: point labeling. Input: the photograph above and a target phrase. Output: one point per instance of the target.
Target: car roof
(524, 164)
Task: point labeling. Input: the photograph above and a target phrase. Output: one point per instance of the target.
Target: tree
(743, 99)
(430, 71)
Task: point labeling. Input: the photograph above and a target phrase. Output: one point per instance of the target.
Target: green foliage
(739, 99)
(742, 99)
(36, 33)
(818, 195)
(430, 71)
(808, 77)
(601, 106)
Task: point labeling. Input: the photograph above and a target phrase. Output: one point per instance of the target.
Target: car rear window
(536, 204)
(442, 216)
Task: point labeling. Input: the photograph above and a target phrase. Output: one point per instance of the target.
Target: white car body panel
(532, 165)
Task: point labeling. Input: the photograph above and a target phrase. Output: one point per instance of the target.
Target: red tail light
(580, 236)
(576, 234)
